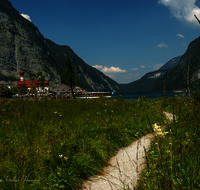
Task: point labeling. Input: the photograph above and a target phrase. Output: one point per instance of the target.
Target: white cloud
(135, 69)
(26, 16)
(142, 66)
(97, 66)
(183, 10)
(180, 35)
(162, 45)
(157, 66)
(112, 70)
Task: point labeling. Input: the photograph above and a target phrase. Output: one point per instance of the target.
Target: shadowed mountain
(147, 82)
(176, 78)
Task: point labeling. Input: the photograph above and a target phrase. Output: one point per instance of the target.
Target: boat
(93, 94)
(180, 90)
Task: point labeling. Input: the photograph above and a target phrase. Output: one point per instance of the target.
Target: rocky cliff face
(22, 46)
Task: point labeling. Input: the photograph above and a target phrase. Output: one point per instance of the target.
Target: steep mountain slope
(147, 82)
(171, 63)
(22, 46)
(177, 77)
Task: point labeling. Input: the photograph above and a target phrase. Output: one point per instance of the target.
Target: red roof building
(30, 83)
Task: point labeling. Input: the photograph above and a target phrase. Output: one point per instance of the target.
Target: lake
(151, 95)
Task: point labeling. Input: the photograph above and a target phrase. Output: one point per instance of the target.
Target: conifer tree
(70, 75)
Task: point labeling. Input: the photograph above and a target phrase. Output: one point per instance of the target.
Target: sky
(122, 38)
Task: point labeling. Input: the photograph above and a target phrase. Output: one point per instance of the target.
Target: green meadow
(60, 143)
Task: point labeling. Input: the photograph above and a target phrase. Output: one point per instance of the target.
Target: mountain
(146, 83)
(176, 78)
(171, 63)
(22, 46)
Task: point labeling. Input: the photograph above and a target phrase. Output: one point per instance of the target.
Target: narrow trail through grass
(58, 144)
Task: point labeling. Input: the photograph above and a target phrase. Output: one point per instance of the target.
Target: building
(8, 84)
(62, 88)
(30, 83)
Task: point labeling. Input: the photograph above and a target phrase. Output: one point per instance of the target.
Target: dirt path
(125, 167)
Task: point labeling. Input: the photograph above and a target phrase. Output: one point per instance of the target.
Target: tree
(23, 89)
(70, 75)
(5, 91)
(14, 89)
(37, 79)
(40, 79)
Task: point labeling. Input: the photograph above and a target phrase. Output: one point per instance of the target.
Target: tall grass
(57, 144)
(174, 159)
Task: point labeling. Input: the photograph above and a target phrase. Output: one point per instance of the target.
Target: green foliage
(173, 160)
(57, 149)
(70, 75)
(33, 90)
(14, 89)
(5, 91)
(23, 89)
(5, 107)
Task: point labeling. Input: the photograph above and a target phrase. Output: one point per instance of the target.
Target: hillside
(146, 83)
(22, 46)
(176, 78)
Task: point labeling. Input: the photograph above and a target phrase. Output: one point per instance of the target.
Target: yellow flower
(55, 112)
(61, 156)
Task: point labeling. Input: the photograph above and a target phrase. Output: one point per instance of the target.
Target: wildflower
(51, 141)
(55, 112)
(187, 134)
(158, 130)
(65, 158)
(61, 156)
(60, 115)
(156, 126)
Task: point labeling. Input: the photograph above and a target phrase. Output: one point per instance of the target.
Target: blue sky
(122, 38)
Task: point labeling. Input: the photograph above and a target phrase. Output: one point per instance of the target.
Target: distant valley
(22, 46)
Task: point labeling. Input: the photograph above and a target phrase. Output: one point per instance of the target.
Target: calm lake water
(151, 95)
